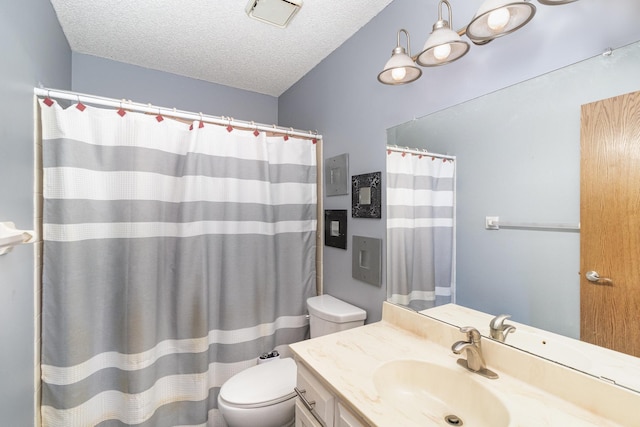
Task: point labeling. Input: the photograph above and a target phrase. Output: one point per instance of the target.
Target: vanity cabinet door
(345, 418)
(314, 391)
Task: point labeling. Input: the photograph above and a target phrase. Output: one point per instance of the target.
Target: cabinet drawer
(304, 417)
(314, 391)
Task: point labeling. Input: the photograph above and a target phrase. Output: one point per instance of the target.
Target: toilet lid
(261, 383)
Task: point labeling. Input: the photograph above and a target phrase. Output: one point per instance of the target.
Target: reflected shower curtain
(420, 230)
(174, 256)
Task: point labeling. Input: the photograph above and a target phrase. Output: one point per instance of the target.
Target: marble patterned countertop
(536, 392)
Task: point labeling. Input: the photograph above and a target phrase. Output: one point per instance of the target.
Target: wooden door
(610, 223)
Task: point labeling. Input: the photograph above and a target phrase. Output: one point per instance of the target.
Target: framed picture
(336, 175)
(335, 228)
(366, 195)
(366, 259)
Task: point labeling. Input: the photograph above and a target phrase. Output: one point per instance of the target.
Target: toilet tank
(328, 314)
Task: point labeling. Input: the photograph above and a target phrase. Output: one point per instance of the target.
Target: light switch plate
(366, 260)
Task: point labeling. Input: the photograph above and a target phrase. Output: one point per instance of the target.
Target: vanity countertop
(346, 361)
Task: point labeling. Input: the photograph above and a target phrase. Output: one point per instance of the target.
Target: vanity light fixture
(400, 68)
(443, 45)
(494, 18)
(497, 18)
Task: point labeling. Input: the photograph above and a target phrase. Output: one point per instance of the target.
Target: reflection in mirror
(518, 157)
(420, 228)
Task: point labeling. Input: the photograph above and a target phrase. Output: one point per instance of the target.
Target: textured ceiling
(213, 40)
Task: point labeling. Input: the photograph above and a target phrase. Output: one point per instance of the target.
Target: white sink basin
(426, 391)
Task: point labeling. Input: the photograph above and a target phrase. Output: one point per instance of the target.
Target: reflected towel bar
(494, 223)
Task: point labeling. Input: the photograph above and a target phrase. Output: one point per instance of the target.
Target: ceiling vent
(274, 12)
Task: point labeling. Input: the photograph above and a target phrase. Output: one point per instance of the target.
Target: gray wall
(33, 50)
(99, 76)
(343, 100)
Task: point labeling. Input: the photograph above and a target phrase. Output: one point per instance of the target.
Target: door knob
(594, 277)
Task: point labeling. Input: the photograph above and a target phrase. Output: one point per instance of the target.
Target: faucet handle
(498, 329)
(472, 333)
(498, 321)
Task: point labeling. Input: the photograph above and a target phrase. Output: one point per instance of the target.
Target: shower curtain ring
(80, 106)
(48, 101)
(121, 112)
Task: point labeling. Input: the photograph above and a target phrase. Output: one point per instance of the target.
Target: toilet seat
(261, 385)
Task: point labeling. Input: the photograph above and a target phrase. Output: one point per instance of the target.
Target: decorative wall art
(335, 228)
(366, 195)
(336, 175)
(366, 259)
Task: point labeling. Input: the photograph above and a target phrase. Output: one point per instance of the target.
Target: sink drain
(452, 420)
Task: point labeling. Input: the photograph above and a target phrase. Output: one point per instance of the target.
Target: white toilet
(263, 394)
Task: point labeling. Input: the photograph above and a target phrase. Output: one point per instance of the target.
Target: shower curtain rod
(170, 112)
(418, 152)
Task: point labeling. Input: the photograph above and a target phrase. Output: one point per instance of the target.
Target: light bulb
(498, 19)
(397, 74)
(442, 51)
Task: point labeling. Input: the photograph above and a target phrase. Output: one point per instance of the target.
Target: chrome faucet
(498, 329)
(474, 361)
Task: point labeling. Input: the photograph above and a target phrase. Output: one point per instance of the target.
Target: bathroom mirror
(518, 158)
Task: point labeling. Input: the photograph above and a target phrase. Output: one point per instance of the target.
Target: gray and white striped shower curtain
(420, 230)
(174, 255)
